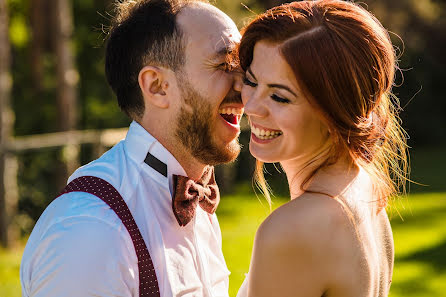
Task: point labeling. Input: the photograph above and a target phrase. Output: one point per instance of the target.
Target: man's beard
(194, 128)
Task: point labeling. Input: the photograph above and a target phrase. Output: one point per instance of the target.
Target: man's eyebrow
(277, 86)
(225, 50)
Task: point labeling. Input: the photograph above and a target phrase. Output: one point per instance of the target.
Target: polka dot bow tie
(189, 193)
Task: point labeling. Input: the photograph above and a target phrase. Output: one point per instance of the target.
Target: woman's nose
(253, 106)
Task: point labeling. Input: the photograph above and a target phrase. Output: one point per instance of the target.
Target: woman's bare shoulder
(311, 219)
(297, 247)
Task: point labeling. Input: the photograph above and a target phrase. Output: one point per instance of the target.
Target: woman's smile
(262, 135)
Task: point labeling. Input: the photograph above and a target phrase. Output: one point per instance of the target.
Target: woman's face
(283, 124)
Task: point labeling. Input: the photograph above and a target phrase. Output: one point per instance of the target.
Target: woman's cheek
(246, 94)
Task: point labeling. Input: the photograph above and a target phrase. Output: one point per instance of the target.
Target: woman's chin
(263, 156)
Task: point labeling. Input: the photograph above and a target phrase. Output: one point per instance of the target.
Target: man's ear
(153, 85)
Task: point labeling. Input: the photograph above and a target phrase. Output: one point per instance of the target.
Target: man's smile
(231, 115)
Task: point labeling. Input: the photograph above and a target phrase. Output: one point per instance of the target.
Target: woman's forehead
(268, 63)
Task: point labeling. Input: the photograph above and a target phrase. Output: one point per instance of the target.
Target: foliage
(427, 169)
(418, 32)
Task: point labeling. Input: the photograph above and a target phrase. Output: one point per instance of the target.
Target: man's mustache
(234, 97)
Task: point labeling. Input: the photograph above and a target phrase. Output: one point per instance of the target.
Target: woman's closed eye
(247, 82)
(279, 99)
(275, 97)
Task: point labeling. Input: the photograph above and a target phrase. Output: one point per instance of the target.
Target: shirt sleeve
(83, 256)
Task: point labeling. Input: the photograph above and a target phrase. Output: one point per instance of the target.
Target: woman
(317, 92)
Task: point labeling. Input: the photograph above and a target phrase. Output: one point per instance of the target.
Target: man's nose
(238, 81)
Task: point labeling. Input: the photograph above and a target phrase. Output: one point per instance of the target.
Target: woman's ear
(153, 85)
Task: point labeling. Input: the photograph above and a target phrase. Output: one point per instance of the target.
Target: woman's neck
(331, 179)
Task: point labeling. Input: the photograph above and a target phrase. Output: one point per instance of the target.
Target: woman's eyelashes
(279, 99)
(275, 97)
(247, 82)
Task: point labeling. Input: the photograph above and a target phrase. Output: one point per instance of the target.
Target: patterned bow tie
(189, 193)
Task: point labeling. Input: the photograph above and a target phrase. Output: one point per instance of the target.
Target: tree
(7, 206)
(67, 77)
(39, 26)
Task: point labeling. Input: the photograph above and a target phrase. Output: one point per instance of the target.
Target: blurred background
(57, 113)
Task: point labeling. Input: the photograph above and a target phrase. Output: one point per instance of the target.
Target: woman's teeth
(265, 134)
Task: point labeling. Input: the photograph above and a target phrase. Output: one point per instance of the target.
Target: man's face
(210, 111)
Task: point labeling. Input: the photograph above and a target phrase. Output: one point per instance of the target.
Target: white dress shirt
(79, 247)
(243, 291)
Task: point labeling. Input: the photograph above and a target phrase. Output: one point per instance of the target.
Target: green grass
(420, 243)
(420, 240)
(9, 272)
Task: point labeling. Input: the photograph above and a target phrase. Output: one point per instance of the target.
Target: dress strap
(148, 283)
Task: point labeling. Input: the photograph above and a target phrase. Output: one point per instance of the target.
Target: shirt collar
(139, 143)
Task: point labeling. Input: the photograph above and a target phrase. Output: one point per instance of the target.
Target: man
(167, 63)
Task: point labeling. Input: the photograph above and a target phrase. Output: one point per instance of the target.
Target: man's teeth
(233, 111)
(265, 134)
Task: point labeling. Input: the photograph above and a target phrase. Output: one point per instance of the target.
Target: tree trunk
(8, 199)
(68, 78)
(39, 24)
(66, 72)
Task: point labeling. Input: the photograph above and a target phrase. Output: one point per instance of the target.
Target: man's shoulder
(109, 166)
(73, 208)
(74, 236)
(116, 168)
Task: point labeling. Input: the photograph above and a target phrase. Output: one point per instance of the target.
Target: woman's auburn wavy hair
(344, 63)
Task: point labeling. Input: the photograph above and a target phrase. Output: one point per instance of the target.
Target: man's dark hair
(143, 32)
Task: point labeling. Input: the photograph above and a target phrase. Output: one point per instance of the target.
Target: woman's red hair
(344, 62)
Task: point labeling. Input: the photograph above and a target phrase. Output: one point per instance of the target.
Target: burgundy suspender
(148, 283)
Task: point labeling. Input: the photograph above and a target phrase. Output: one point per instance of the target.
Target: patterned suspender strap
(148, 283)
